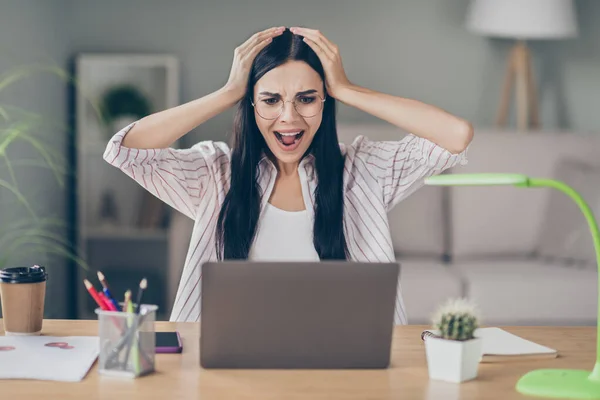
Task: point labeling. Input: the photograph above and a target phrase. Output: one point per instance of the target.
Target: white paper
(53, 358)
(498, 342)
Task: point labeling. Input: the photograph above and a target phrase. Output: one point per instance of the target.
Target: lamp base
(559, 383)
(519, 73)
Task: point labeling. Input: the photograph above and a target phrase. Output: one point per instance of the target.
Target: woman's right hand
(243, 57)
(163, 128)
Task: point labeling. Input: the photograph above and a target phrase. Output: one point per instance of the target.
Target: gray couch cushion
(416, 224)
(565, 234)
(493, 221)
(529, 292)
(425, 285)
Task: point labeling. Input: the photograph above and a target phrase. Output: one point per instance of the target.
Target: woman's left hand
(328, 52)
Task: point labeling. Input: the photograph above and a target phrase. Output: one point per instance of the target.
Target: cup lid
(23, 274)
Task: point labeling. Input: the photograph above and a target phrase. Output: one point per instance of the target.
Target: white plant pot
(453, 360)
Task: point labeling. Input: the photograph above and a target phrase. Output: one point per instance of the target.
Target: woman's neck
(287, 170)
(287, 191)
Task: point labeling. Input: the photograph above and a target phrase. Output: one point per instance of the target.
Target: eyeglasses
(272, 107)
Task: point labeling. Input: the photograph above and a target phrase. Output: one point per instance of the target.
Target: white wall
(411, 48)
(35, 32)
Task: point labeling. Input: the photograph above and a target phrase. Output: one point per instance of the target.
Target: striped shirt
(377, 176)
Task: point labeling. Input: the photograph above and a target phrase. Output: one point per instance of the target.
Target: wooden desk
(179, 376)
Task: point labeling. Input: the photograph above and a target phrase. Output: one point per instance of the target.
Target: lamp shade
(523, 19)
(493, 179)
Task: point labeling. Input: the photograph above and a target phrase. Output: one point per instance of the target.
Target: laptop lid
(329, 314)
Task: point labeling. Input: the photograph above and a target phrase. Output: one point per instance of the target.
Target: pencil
(92, 292)
(106, 290)
(109, 305)
(133, 326)
(102, 279)
(127, 301)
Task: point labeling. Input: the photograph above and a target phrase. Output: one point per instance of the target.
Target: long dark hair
(236, 226)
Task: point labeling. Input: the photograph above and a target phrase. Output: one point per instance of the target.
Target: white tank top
(283, 236)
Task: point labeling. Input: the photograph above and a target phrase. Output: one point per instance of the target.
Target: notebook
(66, 359)
(499, 345)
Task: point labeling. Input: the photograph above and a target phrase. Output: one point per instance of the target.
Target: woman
(287, 190)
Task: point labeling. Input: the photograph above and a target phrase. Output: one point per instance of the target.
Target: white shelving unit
(124, 251)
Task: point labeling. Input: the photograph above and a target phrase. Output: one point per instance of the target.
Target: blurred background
(73, 72)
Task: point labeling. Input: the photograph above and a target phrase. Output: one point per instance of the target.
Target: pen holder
(127, 342)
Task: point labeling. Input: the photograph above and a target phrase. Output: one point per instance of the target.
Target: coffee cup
(22, 292)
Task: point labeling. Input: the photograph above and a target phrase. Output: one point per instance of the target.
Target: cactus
(456, 320)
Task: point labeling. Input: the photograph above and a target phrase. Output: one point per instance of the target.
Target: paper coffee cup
(22, 292)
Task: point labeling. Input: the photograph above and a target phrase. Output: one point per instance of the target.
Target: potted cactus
(454, 352)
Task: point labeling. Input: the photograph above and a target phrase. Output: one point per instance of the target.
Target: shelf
(125, 234)
(126, 252)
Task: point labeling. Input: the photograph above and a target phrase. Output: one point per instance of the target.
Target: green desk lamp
(558, 383)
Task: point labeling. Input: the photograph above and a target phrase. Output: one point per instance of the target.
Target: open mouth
(289, 141)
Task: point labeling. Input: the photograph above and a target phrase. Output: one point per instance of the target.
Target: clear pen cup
(127, 342)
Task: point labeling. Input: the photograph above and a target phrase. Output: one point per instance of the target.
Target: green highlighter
(134, 344)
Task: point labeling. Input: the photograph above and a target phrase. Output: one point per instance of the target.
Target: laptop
(297, 315)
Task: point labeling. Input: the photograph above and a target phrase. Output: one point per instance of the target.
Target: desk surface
(179, 376)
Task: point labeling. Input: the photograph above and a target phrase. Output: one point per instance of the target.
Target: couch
(523, 255)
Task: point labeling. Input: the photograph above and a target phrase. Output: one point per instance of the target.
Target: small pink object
(56, 344)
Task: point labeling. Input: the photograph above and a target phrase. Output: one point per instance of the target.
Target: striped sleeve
(176, 176)
(400, 167)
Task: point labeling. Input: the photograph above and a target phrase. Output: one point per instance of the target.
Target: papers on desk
(66, 359)
(500, 345)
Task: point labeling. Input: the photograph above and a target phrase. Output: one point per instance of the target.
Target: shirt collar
(307, 162)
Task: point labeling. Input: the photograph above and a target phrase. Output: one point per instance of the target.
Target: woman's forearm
(163, 128)
(442, 128)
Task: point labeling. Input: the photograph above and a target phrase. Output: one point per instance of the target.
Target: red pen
(94, 295)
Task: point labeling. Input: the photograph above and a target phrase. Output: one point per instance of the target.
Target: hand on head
(244, 55)
(329, 54)
(327, 51)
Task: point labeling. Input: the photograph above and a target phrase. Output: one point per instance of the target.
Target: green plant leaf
(11, 170)
(19, 196)
(40, 164)
(11, 77)
(4, 113)
(46, 154)
(23, 227)
(10, 136)
(46, 243)
(44, 234)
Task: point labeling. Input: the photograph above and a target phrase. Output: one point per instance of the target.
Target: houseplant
(122, 104)
(28, 230)
(453, 355)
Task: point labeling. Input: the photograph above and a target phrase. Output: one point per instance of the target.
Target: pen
(106, 291)
(143, 285)
(94, 295)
